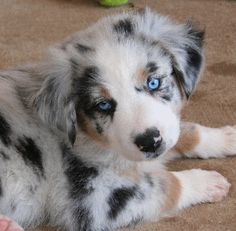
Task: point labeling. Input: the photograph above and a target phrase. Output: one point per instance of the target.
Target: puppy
(84, 135)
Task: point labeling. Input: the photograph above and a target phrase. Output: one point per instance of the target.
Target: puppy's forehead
(122, 65)
(120, 48)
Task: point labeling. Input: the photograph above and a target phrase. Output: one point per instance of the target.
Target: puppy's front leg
(204, 142)
(159, 194)
(190, 187)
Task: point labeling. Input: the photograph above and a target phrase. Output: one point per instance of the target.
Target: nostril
(149, 141)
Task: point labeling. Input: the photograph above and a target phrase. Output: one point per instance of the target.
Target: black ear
(54, 101)
(188, 62)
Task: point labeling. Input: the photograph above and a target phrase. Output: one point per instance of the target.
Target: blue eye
(104, 106)
(153, 83)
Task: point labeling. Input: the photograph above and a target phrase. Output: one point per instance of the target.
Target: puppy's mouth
(153, 155)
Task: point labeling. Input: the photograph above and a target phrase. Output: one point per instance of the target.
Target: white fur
(199, 186)
(103, 181)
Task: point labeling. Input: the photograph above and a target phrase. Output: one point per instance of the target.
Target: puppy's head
(123, 82)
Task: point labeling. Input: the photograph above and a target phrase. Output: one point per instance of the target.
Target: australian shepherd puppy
(85, 134)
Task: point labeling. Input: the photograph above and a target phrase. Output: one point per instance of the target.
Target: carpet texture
(28, 27)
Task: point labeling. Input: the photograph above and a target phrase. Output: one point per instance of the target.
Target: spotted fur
(67, 160)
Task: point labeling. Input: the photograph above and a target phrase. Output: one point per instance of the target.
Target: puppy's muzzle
(149, 142)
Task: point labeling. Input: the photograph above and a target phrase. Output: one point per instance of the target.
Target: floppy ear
(188, 60)
(183, 43)
(54, 102)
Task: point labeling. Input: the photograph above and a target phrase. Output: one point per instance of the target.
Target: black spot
(119, 199)
(151, 67)
(31, 154)
(88, 79)
(124, 27)
(83, 87)
(1, 191)
(5, 131)
(79, 175)
(82, 48)
(4, 155)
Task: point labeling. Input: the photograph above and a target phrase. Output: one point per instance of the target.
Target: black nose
(149, 141)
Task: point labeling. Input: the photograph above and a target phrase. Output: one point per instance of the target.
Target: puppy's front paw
(200, 186)
(217, 186)
(229, 140)
(6, 224)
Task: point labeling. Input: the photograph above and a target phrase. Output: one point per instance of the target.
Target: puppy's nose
(149, 141)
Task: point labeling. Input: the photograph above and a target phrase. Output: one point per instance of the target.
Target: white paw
(210, 185)
(200, 186)
(6, 224)
(217, 186)
(229, 140)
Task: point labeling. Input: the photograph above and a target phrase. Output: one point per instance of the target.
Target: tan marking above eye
(141, 76)
(105, 93)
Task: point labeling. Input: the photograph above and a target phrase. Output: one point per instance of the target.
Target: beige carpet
(28, 27)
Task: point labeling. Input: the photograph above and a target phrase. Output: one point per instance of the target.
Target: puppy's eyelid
(162, 76)
(157, 76)
(100, 99)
